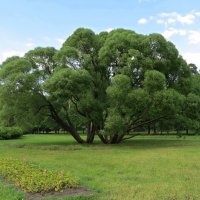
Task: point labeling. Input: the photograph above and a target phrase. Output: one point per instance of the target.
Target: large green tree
(109, 83)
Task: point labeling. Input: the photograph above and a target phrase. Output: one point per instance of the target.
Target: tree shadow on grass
(151, 142)
(140, 142)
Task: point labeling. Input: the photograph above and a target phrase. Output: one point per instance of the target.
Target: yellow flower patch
(31, 178)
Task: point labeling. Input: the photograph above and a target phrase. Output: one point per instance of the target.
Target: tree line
(110, 84)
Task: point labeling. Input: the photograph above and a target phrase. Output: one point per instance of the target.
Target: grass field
(145, 168)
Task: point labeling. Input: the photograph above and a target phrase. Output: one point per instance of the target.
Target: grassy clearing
(150, 168)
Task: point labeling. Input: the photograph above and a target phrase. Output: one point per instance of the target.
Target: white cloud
(8, 53)
(192, 57)
(142, 21)
(60, 40)
(109, 30)
(168, 33)
(197, 14)
(174, 17)
(194, 37)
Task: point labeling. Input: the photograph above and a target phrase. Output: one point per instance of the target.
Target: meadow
(144, 168)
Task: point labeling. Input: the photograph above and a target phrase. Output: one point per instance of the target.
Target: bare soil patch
(79, 191)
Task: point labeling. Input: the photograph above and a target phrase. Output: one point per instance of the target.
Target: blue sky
(26, 24)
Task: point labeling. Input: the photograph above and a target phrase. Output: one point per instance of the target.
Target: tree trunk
(114, 139)
(103, 138)
(154, 129)
(149, 129)
(75, 135)
(178, 133)
(68, 126)
(91, 133)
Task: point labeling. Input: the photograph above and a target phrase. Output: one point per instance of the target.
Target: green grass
(145, 168)
(8, 192)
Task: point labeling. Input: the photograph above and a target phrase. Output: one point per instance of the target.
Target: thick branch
(76, 106)
(146, 122)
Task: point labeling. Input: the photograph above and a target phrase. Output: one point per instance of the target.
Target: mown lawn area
(144, 168)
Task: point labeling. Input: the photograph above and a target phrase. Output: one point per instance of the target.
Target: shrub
(10, 132)
(31, 178)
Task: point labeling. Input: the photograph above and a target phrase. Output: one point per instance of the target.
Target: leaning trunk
(75, 135)
(66, 125)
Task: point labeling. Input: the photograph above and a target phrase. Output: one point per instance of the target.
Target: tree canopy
(107, 83)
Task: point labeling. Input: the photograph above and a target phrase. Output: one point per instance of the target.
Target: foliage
(10, 132)
(32, 178)
(154, 81)
(108, 83)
